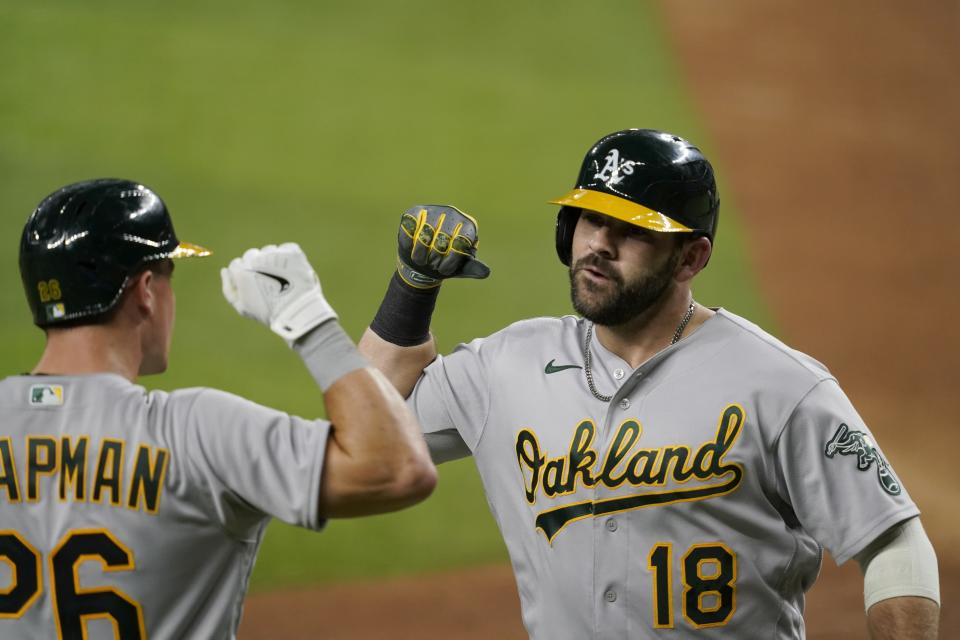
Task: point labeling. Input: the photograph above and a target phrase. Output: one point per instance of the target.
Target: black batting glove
(436, 242)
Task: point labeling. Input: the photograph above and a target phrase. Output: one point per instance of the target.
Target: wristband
(404, 315)
(901, 562)
(329, 353)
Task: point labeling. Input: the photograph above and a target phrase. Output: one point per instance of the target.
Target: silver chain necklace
(588, 359)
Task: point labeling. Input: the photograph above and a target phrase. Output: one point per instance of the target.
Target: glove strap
(414, 278)
(404, 315)
(300, 316)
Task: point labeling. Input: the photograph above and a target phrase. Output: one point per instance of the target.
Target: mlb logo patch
(46, 395)
(55, 311)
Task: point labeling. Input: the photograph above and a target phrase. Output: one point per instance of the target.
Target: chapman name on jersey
(103, 470)
(139, 513)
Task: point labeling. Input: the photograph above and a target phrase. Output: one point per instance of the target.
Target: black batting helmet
(648, 178)
(84, 241)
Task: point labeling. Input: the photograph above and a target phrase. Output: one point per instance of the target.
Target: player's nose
(603, 241)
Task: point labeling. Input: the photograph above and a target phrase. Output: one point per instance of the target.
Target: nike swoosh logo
(551, 368)
(284, 283)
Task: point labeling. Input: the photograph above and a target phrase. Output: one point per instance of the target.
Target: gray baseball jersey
(131, 514)
(699, 498)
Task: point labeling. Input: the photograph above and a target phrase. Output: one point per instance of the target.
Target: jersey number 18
(709, 573)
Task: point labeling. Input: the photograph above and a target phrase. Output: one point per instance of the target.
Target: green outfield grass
(321, 122)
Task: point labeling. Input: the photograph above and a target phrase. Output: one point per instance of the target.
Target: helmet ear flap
(566, 224)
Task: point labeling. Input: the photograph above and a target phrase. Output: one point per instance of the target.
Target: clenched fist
(437, 242)
(277, 287)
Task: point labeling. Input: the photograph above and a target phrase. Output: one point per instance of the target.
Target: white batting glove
(276, 286)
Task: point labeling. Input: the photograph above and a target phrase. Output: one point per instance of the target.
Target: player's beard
(619, 301)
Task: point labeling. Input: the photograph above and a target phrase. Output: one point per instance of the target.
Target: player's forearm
(434, 243)
(904, 618)
(377, 460)
(398, 341)
(402, 366)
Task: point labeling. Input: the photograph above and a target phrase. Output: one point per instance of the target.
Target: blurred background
(321, 122)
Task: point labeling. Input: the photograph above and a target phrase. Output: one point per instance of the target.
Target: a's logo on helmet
(614, 168)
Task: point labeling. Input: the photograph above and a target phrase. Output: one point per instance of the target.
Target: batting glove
(437, 242)
(276, 286)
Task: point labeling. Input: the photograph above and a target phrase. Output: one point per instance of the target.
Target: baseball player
(133, 514)
(658, 469)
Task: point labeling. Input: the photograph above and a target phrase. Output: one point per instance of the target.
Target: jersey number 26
(72, 606)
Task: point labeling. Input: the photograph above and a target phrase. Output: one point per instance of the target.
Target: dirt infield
(835, 134)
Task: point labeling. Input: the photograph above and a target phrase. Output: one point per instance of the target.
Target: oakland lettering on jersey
(626, 464)
(83, 473)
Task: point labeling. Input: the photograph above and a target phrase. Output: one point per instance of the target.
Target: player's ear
(140, 292)
(695, 253)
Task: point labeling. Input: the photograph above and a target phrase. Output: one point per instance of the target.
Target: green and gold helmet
(648, 178)
(84, 241)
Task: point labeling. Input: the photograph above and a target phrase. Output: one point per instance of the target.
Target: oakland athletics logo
(613, 167)
(857, 443)
(627, 465)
